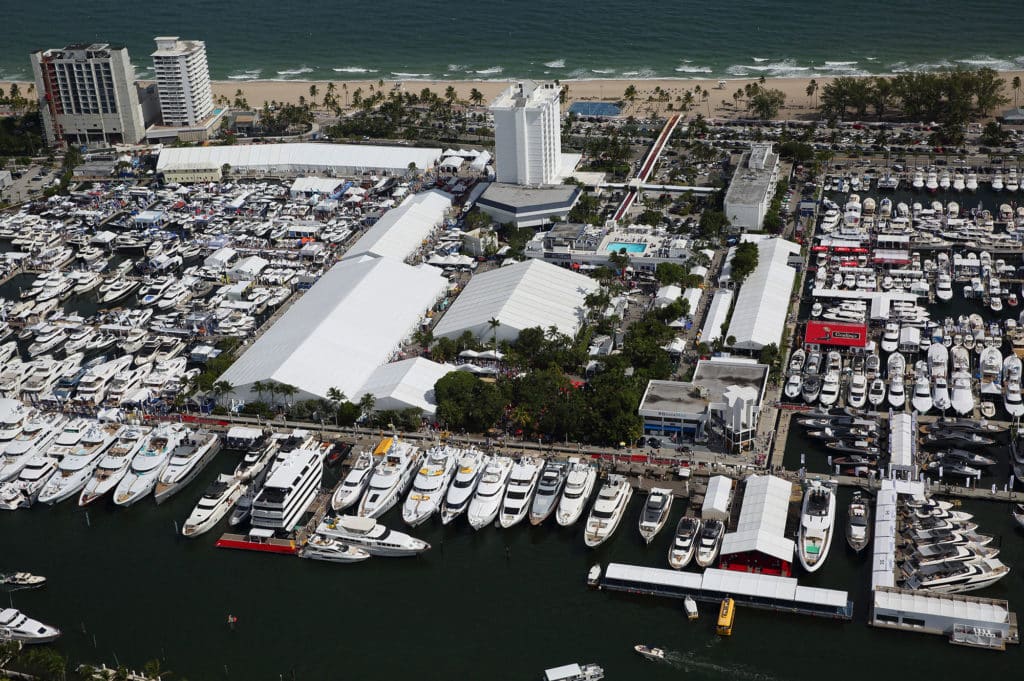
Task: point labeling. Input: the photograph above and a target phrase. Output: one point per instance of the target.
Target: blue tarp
(594, 109)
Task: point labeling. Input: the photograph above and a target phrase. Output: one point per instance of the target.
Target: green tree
(744, 261)
(476, 97)
(767, 102)
(1016, 89)
(366, 404)
(287, 391)
(494, 324)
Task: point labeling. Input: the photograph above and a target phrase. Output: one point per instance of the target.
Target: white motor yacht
(890, 337)
(430, 485)
(958, 577)
(259, 452)
(368, 534)
(188, 459)
(390, 479)
(793, 386)
(579, 485)
(608, 510)
(35, 437)
(81, 448)
(47, 340)
(349, 490)
(897, 366)
(710, 543)
(92, 389)
(971, 183)
(216, 501)
(148, 464)
(944, 287)
(486, 502)
(655, 512)
(684, 543)
(114, 464)
(876, 392)
(467, 476)
(817, 524)
(829, 389)
(857, 393)
(319, 547)
(521, 487)
(24, 490)
(962, 398)
(549, 490)
(17, 626)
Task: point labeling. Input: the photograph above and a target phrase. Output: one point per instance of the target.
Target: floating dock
(765, 592)
(248, 543)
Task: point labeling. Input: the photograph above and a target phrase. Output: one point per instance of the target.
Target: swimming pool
(617, 246)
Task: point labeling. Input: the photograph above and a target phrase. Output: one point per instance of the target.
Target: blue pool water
(616, 247)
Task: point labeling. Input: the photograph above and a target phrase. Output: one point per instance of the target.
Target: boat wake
(689, 663)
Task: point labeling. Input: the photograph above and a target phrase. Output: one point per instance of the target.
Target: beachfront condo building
(87, 95)
(183, 81)
(527, 134)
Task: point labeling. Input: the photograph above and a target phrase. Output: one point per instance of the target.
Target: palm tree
(221, 388)
(259, 387)
(1016, 89)
(476, 97)
(313, 92)
(812, 89)
(287, 390)
(366, 403)
(450, 94)
(336, 396)
(494, 323)
(152, 670)
(272, 388)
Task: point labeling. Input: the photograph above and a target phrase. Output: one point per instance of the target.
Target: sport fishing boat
(608, 510)
(710, 542)
(486, 502)
(390, 479)
(522, 484)
(858, 523)
(817, 521)
(367, 534)
(188, 459)
(217, 499)
(655, 512)
(549, 489)
(319, 547)
(684, 543)
(149, 463)
(79, 452)
(467, 476)
(114, 464)
(356, 481)
(579, 485)
(430, 484)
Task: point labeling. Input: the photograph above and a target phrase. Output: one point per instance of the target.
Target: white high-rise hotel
(183, 80)
(527, 134)
(87, 95)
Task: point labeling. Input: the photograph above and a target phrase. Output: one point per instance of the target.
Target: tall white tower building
(87, 95)
(183, 81)
(527, 134)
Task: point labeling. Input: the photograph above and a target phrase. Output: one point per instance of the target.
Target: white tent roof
(298, 157)
(693, 296)
(405, 384)
(253, 265)
(718, 312)
(901, 440)
(402, 230)
(716, 499)
(763, 301)
(762, 523)
(520, 296)
(220, 258)
(316, 185)
(667, 295)
(335, 335)
(938, 605)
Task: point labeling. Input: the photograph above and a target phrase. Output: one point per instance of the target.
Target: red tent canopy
(836, 333)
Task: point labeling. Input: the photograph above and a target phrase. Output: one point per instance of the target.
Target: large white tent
(348, 324)
(406, 384)
(402, 230)
(300, 157)
(763, 301)
(520, 296)
(762, 523)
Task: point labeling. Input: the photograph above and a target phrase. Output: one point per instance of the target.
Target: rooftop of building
(711, 380)
(173, 46)
(753, 177)
(526, 93)
(518, 199)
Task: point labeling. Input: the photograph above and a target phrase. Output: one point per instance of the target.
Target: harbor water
(321, 40)
(492, 604)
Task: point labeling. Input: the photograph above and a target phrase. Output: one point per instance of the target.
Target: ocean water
(557, 39)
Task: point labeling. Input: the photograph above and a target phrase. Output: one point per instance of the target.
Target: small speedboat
(27, 580)
(858, 523)
(649, 652)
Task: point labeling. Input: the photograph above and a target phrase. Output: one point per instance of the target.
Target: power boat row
(942, 551)
(55, 458)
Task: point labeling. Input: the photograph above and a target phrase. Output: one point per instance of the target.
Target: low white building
(752, 187)
(248, 269)
(401, 231)
(408, 384)
(717, 315)
(520, 296)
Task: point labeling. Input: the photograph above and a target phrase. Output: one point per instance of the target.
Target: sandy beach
(719, 102)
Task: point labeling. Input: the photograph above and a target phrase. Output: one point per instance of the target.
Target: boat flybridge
(608, 510)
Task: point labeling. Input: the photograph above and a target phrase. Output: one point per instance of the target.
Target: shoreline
(652, 94)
